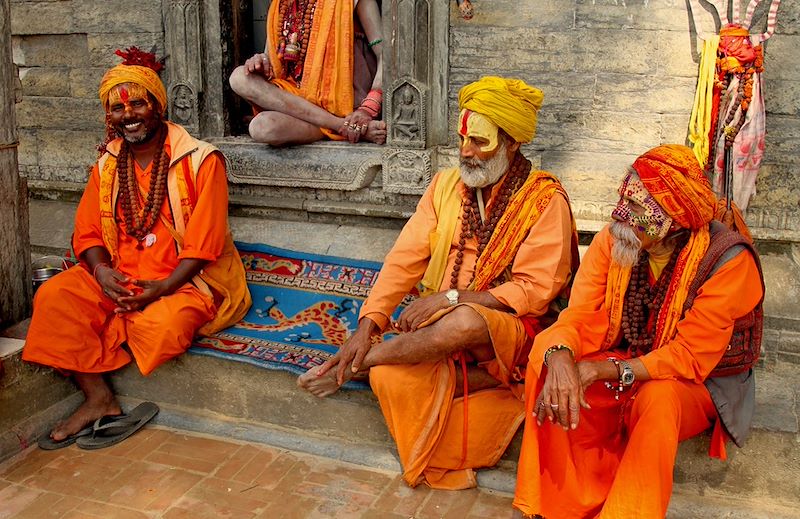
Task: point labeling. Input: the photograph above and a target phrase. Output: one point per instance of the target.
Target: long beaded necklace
(296, 18)
(140, 218)
(471, 222)
(643, 301)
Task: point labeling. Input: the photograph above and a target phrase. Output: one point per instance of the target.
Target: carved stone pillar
(183, 42)
(15, 251)
(415, 95)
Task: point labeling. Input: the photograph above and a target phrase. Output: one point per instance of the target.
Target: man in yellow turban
(157, 262)
(491, 245)
(657, 344)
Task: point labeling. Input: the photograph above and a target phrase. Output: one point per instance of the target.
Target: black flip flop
(110, 430)
(49, 444)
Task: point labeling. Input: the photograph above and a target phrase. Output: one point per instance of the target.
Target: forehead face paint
(640, 210)
(122, 94)
(472, 126)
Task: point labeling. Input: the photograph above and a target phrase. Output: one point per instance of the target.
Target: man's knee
(657, 400)
(240, 80)
(267, 127)
(467, 325)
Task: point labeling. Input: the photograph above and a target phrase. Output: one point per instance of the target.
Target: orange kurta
(417, 400)
(327, 79)
(619, 462)
(74, 327)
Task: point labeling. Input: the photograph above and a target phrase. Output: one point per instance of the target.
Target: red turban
(673, 176)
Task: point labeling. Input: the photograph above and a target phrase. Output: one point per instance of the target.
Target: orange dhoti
(618, 463)
(74, 327)
(427, 423)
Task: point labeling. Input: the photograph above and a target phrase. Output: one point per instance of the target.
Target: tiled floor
(175, 475)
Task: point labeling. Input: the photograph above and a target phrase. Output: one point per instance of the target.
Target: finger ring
(553, 406)
(541, 404)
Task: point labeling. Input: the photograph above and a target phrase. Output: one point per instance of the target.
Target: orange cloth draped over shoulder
(526, 264)
(619, 462)
(74, 327)
(327, 79)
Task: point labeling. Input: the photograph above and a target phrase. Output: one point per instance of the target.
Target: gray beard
(481, 173)
(626, 248)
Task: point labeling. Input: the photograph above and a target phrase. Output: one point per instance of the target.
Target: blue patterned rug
(304, 308)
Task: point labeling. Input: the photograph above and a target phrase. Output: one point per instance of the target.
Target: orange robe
(417, 400)
(618, 463)
(74, 326)
(327, 79)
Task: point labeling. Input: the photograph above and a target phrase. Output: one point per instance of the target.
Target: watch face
(627, 376)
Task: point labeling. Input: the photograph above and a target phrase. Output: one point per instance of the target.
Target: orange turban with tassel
(140, 68)
(673, 176)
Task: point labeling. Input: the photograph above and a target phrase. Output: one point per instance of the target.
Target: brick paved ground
(163, 473)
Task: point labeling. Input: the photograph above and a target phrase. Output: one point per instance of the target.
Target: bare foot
(321, 386)
(87, 413)
(376, 132)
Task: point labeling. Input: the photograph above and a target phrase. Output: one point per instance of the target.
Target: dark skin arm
(352, 353)
(135, 294)
(562, 394)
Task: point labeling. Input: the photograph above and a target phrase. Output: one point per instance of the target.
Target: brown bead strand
(471, 224)
(642, 300)
(139, 219)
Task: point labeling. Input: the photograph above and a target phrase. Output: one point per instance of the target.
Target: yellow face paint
(476, 126)
(123, 93)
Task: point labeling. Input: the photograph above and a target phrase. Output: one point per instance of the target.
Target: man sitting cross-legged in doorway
(493, 245)
(308, 83)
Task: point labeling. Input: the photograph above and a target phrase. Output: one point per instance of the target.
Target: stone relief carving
(182, 104)
(407, 171)
(406, 115)
(183, 26)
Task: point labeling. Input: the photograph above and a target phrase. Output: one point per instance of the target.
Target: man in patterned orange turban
(490, 246)
(157, 263)
(630, 367)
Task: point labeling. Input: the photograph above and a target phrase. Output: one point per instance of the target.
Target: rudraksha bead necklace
(642, 300)
(140, 218)
(471, 223)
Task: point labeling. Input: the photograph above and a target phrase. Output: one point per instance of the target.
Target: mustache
(473, 162)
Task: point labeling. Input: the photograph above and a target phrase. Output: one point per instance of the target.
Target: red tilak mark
(463, 130)
(123, 94)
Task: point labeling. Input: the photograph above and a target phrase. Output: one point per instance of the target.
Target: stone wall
(62, 49)
(619, 77)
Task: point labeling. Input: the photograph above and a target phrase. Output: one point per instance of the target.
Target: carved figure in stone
(481, 233)
(404, 120)
(144, 279)
(300, 97)
(182, 104)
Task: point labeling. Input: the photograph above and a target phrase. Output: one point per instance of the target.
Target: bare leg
(100, 401)
(431, 343)
(279, 129)
(257, 90)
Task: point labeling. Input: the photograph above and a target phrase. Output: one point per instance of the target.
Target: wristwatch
(626, 376)
(452, 296)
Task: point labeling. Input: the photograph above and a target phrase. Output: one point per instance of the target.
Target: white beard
(481, 173)
(626, 248)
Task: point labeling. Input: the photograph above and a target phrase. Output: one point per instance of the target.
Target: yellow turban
(138, 75)
(510, 103)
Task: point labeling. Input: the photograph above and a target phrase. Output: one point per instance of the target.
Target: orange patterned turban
(136, 74)
(673, 176)
(510, 103)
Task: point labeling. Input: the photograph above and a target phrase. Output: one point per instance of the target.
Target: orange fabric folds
(327, 79)
(427, 423)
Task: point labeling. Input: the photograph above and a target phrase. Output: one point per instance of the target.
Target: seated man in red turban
(157, 261)
(640, 360)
